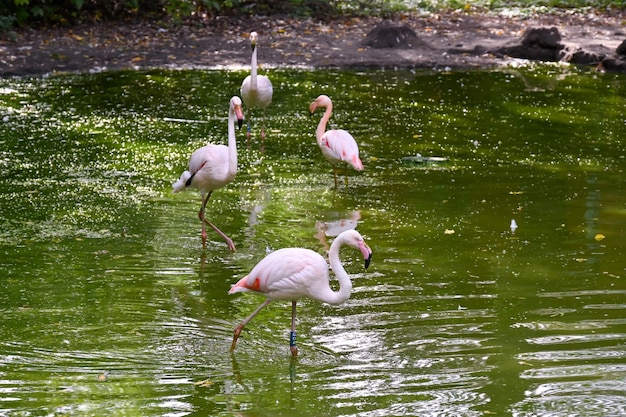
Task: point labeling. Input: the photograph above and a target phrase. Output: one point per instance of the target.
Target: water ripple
(582, 338)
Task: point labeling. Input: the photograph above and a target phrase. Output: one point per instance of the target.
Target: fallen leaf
(205, 383)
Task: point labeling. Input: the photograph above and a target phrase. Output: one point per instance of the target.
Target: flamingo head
(235, 108)
(253, 38)
(353, 238)
(321, 101)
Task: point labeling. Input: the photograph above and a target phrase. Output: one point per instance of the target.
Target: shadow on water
(110, 302)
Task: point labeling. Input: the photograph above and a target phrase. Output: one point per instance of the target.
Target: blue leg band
(292, 339)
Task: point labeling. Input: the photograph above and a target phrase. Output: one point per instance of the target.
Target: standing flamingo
(293, 273)
(212, 167)
(337, 145)
(256, 90)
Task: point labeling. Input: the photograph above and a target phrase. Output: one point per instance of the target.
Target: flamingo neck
(345, 285)
(253, 70)
(232, 143)
(321, 127)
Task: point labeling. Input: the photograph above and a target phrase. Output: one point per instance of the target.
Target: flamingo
(212, 167)
(256, 90)
(293, 273)
(337, 145)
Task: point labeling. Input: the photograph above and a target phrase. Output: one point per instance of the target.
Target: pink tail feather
(356, 163)
(240, 286)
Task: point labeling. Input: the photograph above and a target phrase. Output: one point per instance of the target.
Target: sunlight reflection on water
(109, 301)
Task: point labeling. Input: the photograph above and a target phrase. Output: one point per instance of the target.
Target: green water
(110, 303)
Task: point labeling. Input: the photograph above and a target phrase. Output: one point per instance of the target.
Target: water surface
(110, 301)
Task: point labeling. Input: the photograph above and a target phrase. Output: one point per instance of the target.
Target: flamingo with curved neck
(212, 167)
(256, 90)
(337, 145)
(294, 273)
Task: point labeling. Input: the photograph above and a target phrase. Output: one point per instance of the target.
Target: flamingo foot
(230, 244)
(236, 334)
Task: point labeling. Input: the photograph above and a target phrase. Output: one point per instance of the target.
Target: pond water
(109, 301)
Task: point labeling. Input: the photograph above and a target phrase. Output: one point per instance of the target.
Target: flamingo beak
(367, 253)
(239, 114)
(312, 108)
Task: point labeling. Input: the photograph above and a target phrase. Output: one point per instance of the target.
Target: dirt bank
(448, 40)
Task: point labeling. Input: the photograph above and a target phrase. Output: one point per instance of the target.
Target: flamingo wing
(339, 146)
(286, 274)
(209, 167)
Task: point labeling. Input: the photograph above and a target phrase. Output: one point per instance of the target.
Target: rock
(621, 49)
(585, 58)
(580, 56)
(543, 38)
(542, 44)
(388, 35)
(613, 65)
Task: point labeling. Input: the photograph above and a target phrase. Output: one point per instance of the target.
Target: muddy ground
(447, 40)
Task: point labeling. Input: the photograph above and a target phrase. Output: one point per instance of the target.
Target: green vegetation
(32, 12)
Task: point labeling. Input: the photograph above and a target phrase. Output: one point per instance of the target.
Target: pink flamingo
(337, 145)
(256, 90)
(293, 273)
(212, 167)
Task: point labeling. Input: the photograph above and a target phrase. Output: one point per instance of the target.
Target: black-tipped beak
(240, 123)
(368, 260)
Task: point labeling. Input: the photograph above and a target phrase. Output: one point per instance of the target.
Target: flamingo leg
(228, 240)
(263, 127)
(249, 131)
(292, 336)
(239, 328)
(203, 219)
(263, 134)
(201, 215)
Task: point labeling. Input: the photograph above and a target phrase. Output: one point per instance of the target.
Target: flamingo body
(337, 145)
(294, 273)
(256, 90)
(208, 170)
(259, 95)
(212, 167)
(286, 274)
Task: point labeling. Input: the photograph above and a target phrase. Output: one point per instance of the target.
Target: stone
(388, 35)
